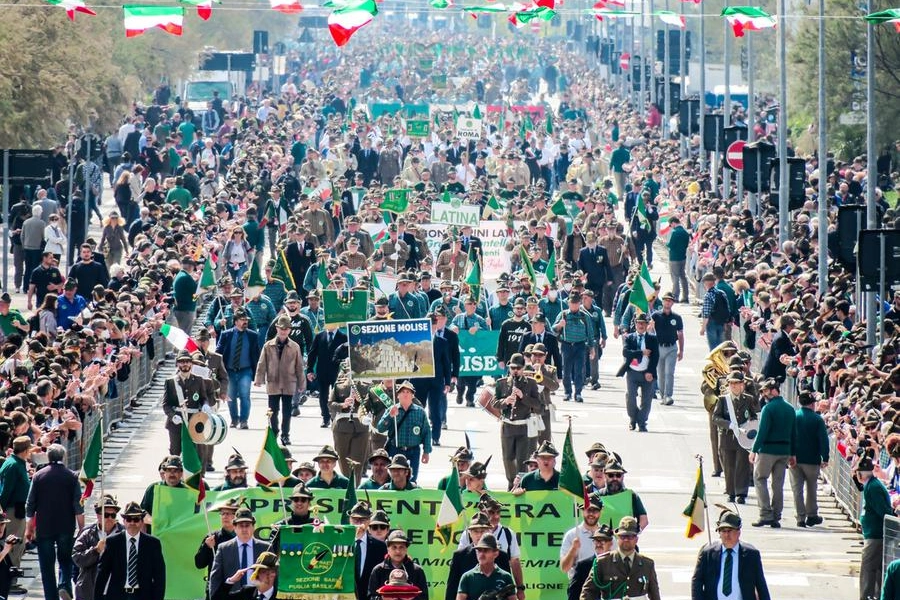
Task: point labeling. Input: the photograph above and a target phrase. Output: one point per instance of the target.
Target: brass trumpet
(536, 376)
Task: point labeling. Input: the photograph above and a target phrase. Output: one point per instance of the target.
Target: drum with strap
(486, 402)
(208, 428)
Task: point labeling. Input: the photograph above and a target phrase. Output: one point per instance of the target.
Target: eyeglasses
(378, 527)
(614, 475)
(110, 516)
(300, 500)
(133, 519)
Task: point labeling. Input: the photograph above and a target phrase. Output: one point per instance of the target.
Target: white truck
(228, 80)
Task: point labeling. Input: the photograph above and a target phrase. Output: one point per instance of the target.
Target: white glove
(207, 409)
(393, 256)
(176, 419)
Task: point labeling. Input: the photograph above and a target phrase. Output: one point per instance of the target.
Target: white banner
(493, 237)
(554, 228)
(468, 128)
(453, 213)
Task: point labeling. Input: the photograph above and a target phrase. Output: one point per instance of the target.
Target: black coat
(750, 573)
(299, 261)
(381, 573)
(551, 342)
(375, 553)
(113, 569)
(631, 350)
(595, 264)
(325, 357)
(576, 581)
(249, 592)
(453, 346)
(781, 345)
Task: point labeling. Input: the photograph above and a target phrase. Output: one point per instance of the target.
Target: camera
(13, 540)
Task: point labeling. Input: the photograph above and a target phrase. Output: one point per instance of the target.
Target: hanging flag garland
(139, 19)
(747, 18)
(73, 6)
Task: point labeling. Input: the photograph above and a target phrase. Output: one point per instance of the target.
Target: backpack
(720, 313)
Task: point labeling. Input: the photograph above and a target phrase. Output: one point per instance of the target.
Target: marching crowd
(290, 183)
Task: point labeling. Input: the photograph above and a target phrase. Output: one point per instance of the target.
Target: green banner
(439, 81)
(426, 64)
(478, 353)
(396, 201)
(539, 519)
(341, 307)
(317, 562)
(418, 128)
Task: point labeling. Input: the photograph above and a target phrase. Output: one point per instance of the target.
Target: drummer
(184, 396)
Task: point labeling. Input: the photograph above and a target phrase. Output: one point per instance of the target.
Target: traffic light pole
(823, 161)
(726, 105)
(871, 177)
(650, 52)
(783, 192)
(702, 47)
(667, 96)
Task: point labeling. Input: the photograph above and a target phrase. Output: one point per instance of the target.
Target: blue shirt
(66, 311)
(735, 586)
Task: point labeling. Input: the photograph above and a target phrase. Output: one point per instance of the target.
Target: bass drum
(208, 428)
(486, 402)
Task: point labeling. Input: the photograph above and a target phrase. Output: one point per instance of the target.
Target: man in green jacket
(184, 295)
(179, 194)
(678, 243)
(14, 484)
(812, 455)
(876, 505)
(772, 453)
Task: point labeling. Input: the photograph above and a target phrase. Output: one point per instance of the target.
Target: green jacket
(876, 504)
(812, 437)
(14, 482)
(180, 196)
(678, 244)
(184, 290)
(777, 434)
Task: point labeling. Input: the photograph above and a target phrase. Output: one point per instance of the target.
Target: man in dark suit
(438, 386)
(329, 348)
(367, 161)
(234, 558)
(239, 348)
(300, 253)
(781, 352)
(641, 352)
(594, 261)
(470, 241)
(264, 574)
(737, 563)
(132, 566)
(540, 335)
(369, 551)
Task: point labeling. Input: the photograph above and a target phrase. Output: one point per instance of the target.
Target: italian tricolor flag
(695, 510)
(747, 18)
(204, 11)
(178, 338)
(286, 6)
(139, 19)
(271, 467)
(451, 508)
(670, 18)
(72, 6)
(348, 17)
(891, 15)
(91, 466)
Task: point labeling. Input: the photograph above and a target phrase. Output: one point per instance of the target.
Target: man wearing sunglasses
(206, 553)
(132, 565)
(91, 544)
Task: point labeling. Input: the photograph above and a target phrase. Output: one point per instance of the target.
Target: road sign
(624, 61)
(734, 155)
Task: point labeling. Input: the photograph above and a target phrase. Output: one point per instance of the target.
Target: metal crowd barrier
(891, 541)
(838, 474)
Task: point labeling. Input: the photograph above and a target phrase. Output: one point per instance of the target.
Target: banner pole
(396, 427)
(705, 503)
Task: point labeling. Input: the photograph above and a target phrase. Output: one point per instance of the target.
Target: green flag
(549, 124)
(473, 275)
(282, 273)
(550, 272)
(529, 268)
(341, 307)
(349, 498)
(208, 277)
(643, 291)
(476, 114)
(570, 478)
(451, 508)
(193, 467)
(493, 206)
(559, 207)
(322, 280)
(395, 201)
(640, 213)
(255, 282)
(92, 465)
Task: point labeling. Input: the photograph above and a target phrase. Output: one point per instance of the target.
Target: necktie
(726, 576)
(359, 562)
(330, 337)
(628, 564)
(245, 561)
(132, 563)
(641, 341)
(540, 339)
(238, 348)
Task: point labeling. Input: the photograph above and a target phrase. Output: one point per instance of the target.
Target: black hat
(230, 504)
(642, 318)
(235, 461)
(487, 542)
(462, 454)
(133, 509)
(478, 470)
(107, 501)
(517, 360)
(379, 453)
(604, 532)
(399, 462)
(771, 384)
(301, 491)
(547, 449)
(172, 462)
(361, 510)
(595, 448)
(728, 519)
(595, 501)
(326, 452)
(480, 521)
(266, 560)
(379, 517)
(614, 466)
(203, 335)
(397, 537)
(244, 515)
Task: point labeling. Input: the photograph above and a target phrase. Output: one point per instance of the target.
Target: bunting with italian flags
(695, 511)
(72, 7)
(747, 18)
(670, 18)
(287, 7)
(92, 465)
(891, 15)
(348, 17)
(204, 10)
(139, 19)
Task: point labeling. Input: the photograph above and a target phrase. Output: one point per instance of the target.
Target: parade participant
(575, 330)
(185, 395)
(14, 486)
(715, 373)
(733, 409)
(91, 543)
(548, 384)
(596, 477)
(397, 558)
(400, 473)
(511, 333)
(451, 263)
(715, 313)
(407, 428)
(472, 323)
(540, 335)
(465, 559)
(546, 477)
(577, 543)
(305, 471)
(641, 352)
(602, 541)
(239, 348)
(475, 477)
(445, 350)
(378, 461)
(812, 455)
(172, 470)
(262, 580)
(876, 505)
(206, 553)
(623, 573)
(592, 369)
(329, 348)
(615, 484)
(235, 474)
(461, 459)
(502, 309)
(280, 369)
(774, 450)
(486, 577)
(594, 262)
(369, 551)
(452, 306)
(327, 478)
(217, 383)
(717, 576)
(379, 525)
(132, 565)
(234, 558)
(617, 249)
(381, 310)
(669, 329)
(518, 399)
(349, 429)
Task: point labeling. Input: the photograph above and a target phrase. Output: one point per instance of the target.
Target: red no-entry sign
(624, 61)
(734, 155)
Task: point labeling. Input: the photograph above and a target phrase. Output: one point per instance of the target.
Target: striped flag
(178, 338)
(695, 510)
(451, 508)
(92, 465)
(271, 467)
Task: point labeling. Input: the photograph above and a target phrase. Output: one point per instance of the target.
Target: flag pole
(699, 458)
(396, 427)
(99, 431)
(584, 488)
